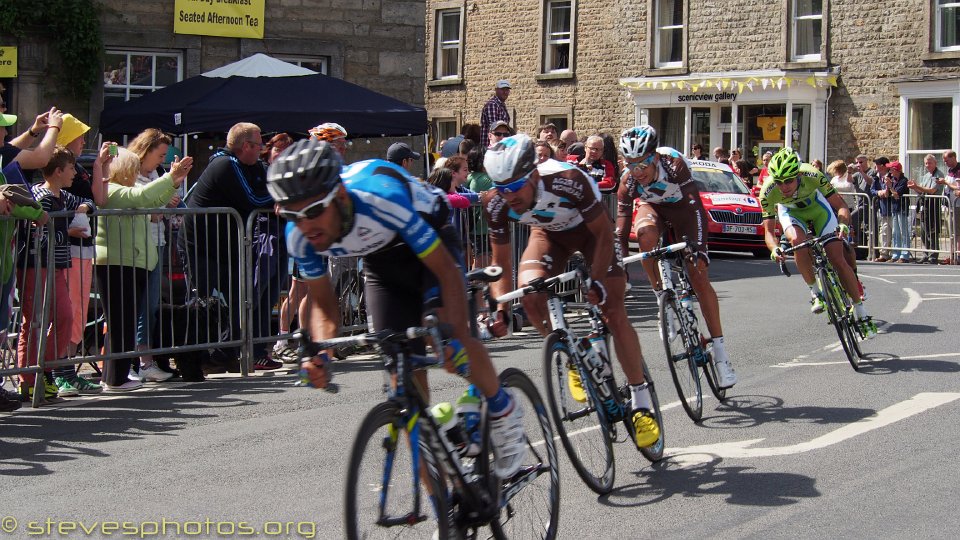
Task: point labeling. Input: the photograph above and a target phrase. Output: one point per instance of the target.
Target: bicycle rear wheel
(582, 426)
(384, 497)
(837, 311)
(678, 346)
(531, 498)
(653, 452)
(710, 373)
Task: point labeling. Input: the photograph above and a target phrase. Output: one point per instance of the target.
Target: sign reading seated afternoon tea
(224, 18)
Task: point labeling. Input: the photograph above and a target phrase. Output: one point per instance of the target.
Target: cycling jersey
(808, 207)
(673, 173)
(390, 208)
(566, 198)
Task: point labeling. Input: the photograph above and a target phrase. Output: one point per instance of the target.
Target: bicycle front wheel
(384, 497)
(677, 343)
(653, 452)
(530, 499)
(582, 425)
(837, 311)
(710, 373)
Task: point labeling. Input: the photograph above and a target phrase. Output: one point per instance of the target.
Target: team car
(733, 213)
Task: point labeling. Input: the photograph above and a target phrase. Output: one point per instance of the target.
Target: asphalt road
(803, 448)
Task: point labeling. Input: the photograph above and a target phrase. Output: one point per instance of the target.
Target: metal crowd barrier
(928, 228)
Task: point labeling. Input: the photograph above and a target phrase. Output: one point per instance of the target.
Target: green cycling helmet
(784, 164)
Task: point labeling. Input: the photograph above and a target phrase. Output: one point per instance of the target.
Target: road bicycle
(589, 428)
(688, 352)
(839, 304)
(400, 448)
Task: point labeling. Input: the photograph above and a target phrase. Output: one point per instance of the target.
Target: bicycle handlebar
(656, 253)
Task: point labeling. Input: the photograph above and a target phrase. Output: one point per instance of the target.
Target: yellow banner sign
(225, 18)
(8, 62)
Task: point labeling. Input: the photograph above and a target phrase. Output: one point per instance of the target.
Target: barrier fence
(217, 290)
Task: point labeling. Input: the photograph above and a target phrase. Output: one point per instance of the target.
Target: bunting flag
(740, 84)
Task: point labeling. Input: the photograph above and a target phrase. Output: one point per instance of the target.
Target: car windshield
(718, 181)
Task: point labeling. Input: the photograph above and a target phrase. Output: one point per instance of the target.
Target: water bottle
(468, 413)
(450, 431)
(599, 370)
(458, 355)
(600, 347)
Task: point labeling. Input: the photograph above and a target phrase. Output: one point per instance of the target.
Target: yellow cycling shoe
(576, 385)
(646, 431)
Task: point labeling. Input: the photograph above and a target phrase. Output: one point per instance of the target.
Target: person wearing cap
(929, 207)
(401, 154)
(897, 191)
(881, 190)
(18, 150)
(499, 130)
(495, 109)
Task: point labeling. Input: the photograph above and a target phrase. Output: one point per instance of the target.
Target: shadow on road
(740, 485)
(906, 328)
(749, 411)
(887, 364)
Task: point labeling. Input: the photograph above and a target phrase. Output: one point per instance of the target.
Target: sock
(859, 310)
(718, 345)
(499, 403)
(67, 372)
(640, 397)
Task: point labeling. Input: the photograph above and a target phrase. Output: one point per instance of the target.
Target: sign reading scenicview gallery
(225, 18)
(8, 62)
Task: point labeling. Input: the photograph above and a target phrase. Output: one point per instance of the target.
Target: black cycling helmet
(306, 169)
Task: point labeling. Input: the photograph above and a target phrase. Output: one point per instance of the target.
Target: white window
(947, 25)
(444, 128)
(668, 40)
(130, 74)
(320, 65)
(449, 44)
(929, 131)
(806, 30)
(557, 37)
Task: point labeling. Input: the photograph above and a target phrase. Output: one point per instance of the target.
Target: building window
(669, 36)
(449, 41)
(444, 128)
(561, 122)
(947, 25)
(320, 65)
(558, 37)
(929, 131)
(806, 28)
(130, 74)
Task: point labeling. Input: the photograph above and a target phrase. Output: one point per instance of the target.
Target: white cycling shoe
(726, 376)
(509, 441)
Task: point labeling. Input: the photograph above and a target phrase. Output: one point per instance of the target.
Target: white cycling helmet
(637, 141)
(510, 158)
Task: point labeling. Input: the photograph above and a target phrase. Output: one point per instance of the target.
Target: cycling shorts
(818, 216)
(550, 250)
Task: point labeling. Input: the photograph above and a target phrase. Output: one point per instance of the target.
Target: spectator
(576, 153)
(469, 132)
(495, 110)
(547, 132)
(57, 175)
(126, 253)
(478, 181)
(721, 155)
(611, 153)
(559, 150)
(884, 225)
(569, 136)
(333, 133)
(818, 164)
(82, 232)
(930, 190)
(235, 178)
(863, 177)
(18, 150)
(465, 146)
(952, 190)
(277, 144)
(544, 151)
(401, 154)
(599, 169)
(843, 182)
(696, 152)
(151, 147)
(899, 210)
(499, 130)
(450, 178)
(745, 168)
(763, 171)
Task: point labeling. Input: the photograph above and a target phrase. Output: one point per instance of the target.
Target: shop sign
(715, 98)
(224, 18)
(8, 62)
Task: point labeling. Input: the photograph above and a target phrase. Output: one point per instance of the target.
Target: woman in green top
(126, 253)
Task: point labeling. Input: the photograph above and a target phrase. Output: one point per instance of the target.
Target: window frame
(909, 92)
(658, 43)
(937, 18)
(544, 43)
(444, 117)
(300, 60)
(126, 87)
(789, 34)
(653, 37)
(794, 33)
(440, 11)
(549, 41)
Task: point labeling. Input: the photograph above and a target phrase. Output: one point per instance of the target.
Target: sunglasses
(641, 164)
(781, 181)
(514, 186)
(311, 211)
(501, 134)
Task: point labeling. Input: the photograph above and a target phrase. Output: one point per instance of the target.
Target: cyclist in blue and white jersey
(399, 225)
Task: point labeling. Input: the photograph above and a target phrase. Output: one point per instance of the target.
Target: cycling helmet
(638, 141)
(511, 158)
(306, 169)
(784, 164)
(328, 132)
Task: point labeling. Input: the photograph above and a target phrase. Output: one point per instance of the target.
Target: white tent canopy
(259, 65)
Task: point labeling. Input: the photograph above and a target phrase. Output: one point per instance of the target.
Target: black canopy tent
(275, 95)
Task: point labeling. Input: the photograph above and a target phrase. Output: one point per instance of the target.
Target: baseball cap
(503, 83)
(72, 128)
(7, 120)
(577, 149)
(882, 160)
(896, 165)
(401, 151)
(502, 123)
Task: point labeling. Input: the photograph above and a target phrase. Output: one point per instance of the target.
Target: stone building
(832, 78)
(377, 44)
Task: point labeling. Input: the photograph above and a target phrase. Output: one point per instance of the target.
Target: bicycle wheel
(583, 428)
(384, 497)
(531, 498)
(837, 312)
(350, 291)
(710, 373)
(654, 452)
(850, 326)
(678, 346)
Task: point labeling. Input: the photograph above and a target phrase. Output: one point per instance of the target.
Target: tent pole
(426, 158)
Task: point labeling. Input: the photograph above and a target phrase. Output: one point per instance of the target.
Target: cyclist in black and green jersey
(800, 196)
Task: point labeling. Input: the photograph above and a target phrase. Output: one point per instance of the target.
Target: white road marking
(936, 283)
(913, 300)
(861, 276)
(917, 275)
(795, 364)
(695, 455)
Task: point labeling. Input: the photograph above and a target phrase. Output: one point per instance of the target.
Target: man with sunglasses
(498, 131)
(669, 198)
(800, 196)
(562, 207)
(400, 227)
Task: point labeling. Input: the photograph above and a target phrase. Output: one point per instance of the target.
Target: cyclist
(374, 208)
(669, 199)
(561, 204)
(800, 195)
